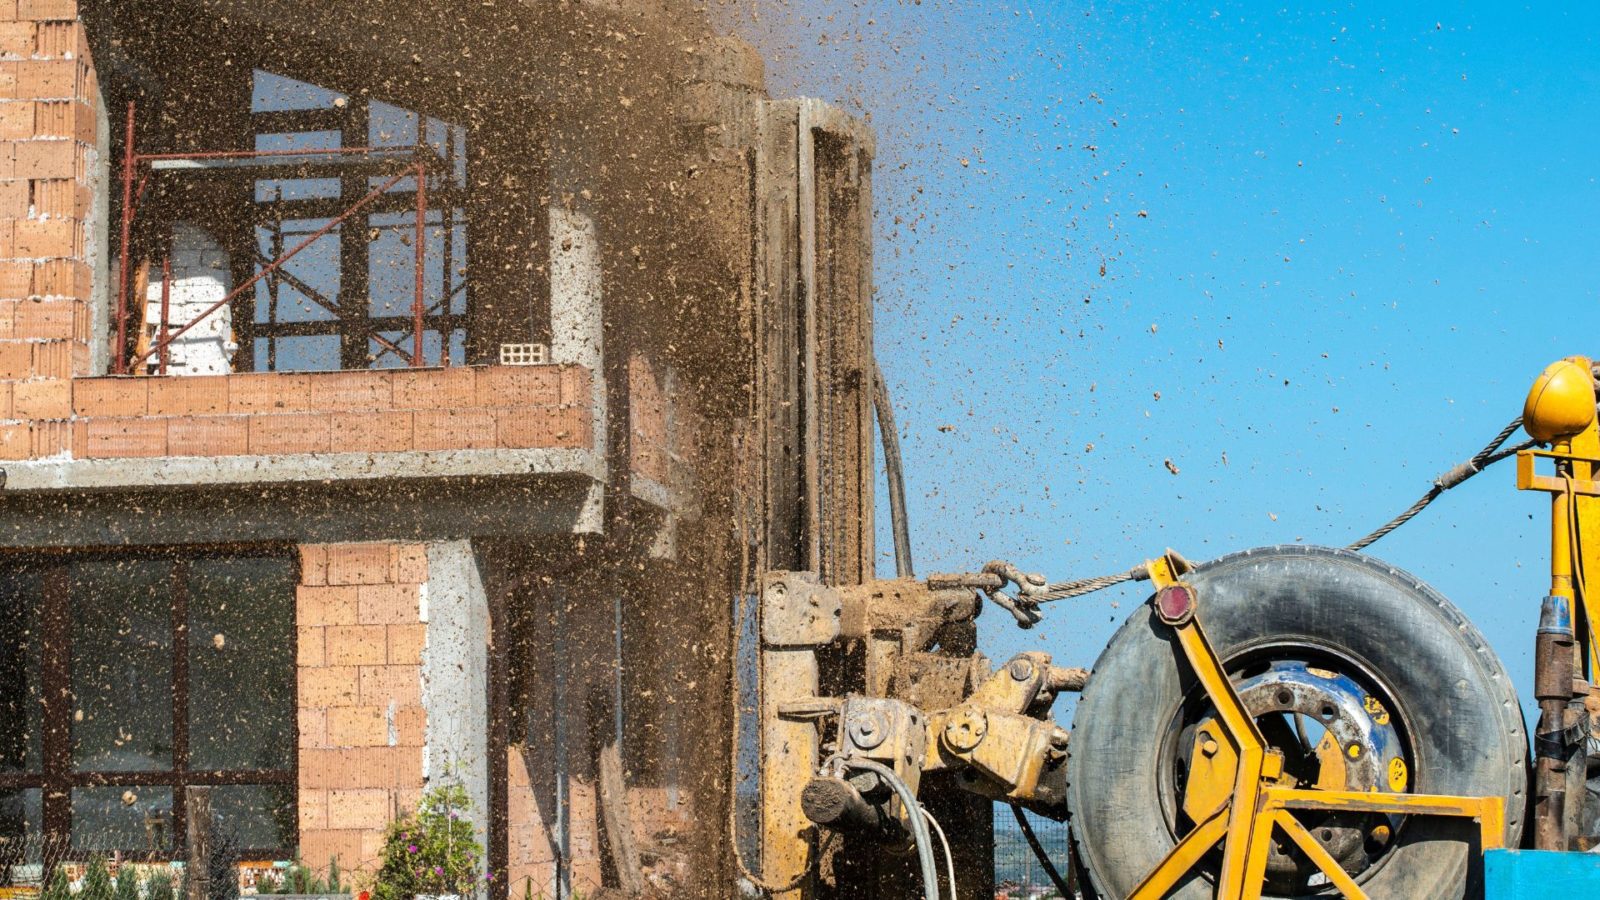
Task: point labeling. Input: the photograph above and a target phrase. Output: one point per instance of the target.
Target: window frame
(56, 778)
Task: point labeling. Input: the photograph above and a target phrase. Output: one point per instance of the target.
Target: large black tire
(1460, 709)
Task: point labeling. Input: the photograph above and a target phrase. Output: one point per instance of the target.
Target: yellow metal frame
(1258, 804)
(1574, 511)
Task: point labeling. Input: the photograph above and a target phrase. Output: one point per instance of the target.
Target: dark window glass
(21, 691)
(256, 815)
(241, 663)
(122, 665)
(21, 814)
(124, 818)
(125, 680)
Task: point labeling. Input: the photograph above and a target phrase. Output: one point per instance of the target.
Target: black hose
(894, 470)
(1049, 867)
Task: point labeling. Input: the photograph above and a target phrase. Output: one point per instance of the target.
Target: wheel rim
(1338, 728)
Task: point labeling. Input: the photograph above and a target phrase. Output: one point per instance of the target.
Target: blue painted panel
(1539, 874)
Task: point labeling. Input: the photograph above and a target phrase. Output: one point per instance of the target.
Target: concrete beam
(199, 471)
(411, 509)
(533, 52)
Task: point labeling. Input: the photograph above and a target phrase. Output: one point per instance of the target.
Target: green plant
(159, 887)
(127, 884)
(302, 879)
(96, 881)
(431, 851)
(333, 876)
(57, 888)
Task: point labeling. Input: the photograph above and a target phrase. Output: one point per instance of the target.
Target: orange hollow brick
(46, 158)
(357, 645)
(16, 278)
(47, 319)
(63, 278)
(313, 564)
(39, 239)
(16, 118)
(290, 433)
(47, 9)
(58, 359)
(16, 359)
(15, 203)
(372, 432)
(58, 40)
(323, 605)
(188, 395)
(518, 386)
(208, 436)
(121, 396)
(369, 391)
(51, 438)
(269, 392)
(453, 388)
(366, 563)
(123, 437)
(42, 399)
(357, 808)
(17, 39)
(459, 429)
(55, 79)
(388, 604)
(16, 441)
(358, 726)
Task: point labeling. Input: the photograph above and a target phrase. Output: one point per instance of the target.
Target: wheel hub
(1332, 734)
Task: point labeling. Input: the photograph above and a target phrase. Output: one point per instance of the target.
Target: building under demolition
(401, 393)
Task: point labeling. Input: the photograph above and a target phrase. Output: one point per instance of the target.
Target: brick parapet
(270, 413)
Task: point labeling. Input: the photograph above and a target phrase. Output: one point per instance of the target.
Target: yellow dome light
(1561, 403)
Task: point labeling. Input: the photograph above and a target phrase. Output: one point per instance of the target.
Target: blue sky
(1314, 258)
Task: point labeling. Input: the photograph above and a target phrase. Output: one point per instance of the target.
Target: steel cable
(1030, 596)
(1488, 456)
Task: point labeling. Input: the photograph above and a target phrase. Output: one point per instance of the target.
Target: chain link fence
(101, 867)
(1017, 873)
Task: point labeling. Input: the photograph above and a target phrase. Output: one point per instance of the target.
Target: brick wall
(648, 447)
(466, 408)
(531, 848)
(48, 157)
(362, 726)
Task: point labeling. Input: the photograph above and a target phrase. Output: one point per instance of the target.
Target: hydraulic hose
(919, 825)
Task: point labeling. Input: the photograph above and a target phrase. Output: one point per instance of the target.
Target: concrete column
(455, 675)
(577, 323)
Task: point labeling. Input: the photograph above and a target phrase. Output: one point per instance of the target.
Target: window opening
(355, 256)
(127, 679)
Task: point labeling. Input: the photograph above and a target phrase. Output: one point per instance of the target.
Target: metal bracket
(797, 610)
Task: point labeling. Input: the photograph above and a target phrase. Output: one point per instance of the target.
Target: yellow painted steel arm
(1188, 852)
(1489, 811)
(1317, 854)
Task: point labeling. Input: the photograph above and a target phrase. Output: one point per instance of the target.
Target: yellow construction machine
(1285, 721)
